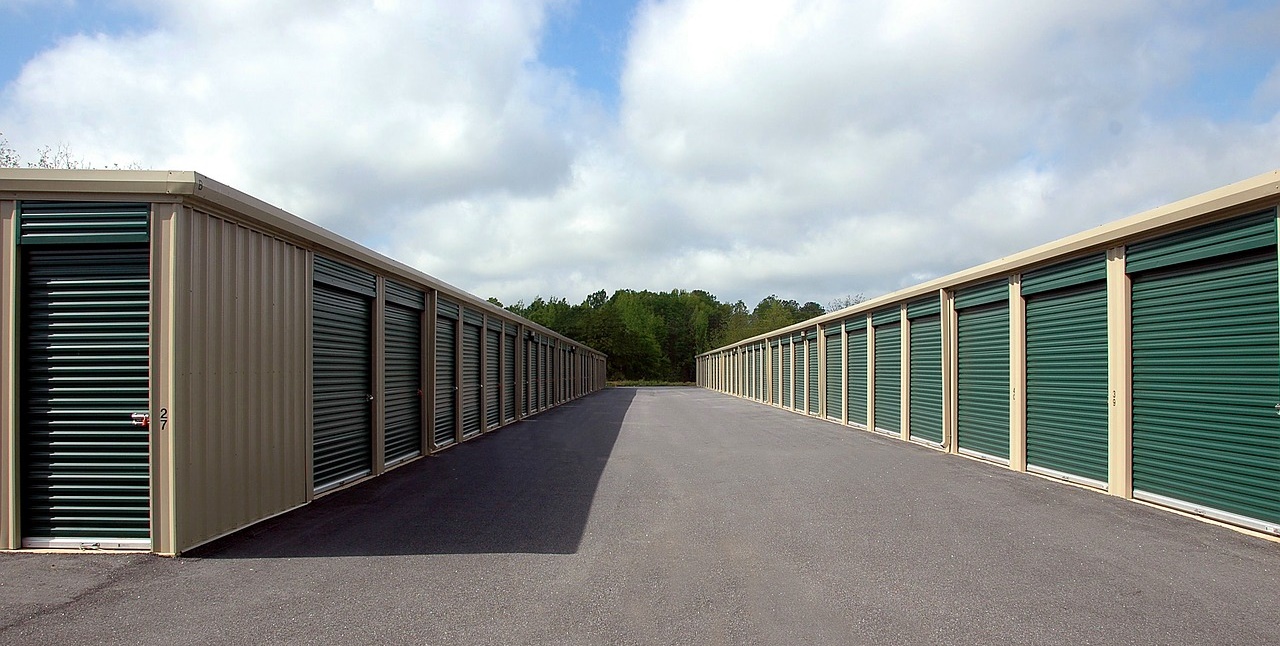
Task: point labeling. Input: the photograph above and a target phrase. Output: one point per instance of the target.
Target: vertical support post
(871, 375)
(822, 372)
(428, 372)
(1119, 376)
(165, 529)
(10, 523)
(950, 371)
(904, 374)
(1017, 375)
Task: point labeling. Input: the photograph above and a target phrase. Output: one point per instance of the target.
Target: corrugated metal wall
(1036, 360)
(240, 411)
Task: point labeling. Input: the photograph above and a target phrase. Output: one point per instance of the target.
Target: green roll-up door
(492, 377)
(982, 414)
(856, 374)
(526, 401)
(1206, 376)
(403, 382)
(812, 386)
(84, 347)
(446, 416)
(544, 376)
(925, 377)
(835, 380)
(509, 378)
(472, 386)
(341, 373)
(1067, 391)
(889, 378)
(342, 439)
(786, 375)
(775, 386)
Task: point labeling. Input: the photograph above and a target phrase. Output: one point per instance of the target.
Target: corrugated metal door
(786, 374)
(888, 372)
(982, 413)
(812, 384)
(1206, 371)
(1067, 390)
(925, 376)
(342, 374)
(445, 432)
(856, 374)
(775, 387)
(526, 401)
(493, 376)
(835, 367)
(85, 348)
(472, 386)
(403, 323)
(509, 376)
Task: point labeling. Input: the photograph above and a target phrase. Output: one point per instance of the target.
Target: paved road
(676, 516)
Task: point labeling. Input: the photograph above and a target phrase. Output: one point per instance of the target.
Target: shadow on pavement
(526, 488)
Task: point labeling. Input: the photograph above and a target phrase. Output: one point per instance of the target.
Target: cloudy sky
(810, 149)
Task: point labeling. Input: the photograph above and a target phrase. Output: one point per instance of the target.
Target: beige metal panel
(1017, 376)
(164, 512)
(241, 407)
(871, 375)
(428, 372)
(1119, 376)
(904, 374)
(950, 372)
(1218, 204)
(10, 532)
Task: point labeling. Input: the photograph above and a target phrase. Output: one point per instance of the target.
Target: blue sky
(807, 148)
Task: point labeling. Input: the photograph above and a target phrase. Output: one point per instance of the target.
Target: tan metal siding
(240, 407)
(9, 532)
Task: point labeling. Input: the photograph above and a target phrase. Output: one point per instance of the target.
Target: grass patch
(632, 383)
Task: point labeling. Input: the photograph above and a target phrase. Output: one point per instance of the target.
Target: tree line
(656, 335)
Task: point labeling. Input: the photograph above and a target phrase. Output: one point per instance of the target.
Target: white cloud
(806, 148)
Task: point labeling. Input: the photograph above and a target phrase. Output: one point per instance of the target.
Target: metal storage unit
(342, 373)
(982, 409)
(1067, 390)
(888, 368)
(775, 372)
(402, 321)
(1206, 370)
(856, 372)
(526, 399)
(84, 306)
(925, 371)
(786, 373)
(267, 361)
(834, 371)
(446, 417)
(493, 374)
(472, 382)
(509, 373)
(811, 385)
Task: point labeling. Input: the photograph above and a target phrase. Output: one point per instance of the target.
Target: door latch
(141, 419)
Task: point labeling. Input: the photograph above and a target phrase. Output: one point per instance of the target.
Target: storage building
(181, 360)
(1140, 358)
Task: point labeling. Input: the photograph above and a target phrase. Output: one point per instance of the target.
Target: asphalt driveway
(676, 516)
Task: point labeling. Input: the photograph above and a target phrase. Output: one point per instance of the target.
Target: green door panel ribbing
(926, 379)
(889, 378)
(856, 374)
(1067, 390)
(403, 382)
(982, 417)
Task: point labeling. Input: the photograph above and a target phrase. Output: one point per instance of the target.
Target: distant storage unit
(181, 360)
(1141, 358)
